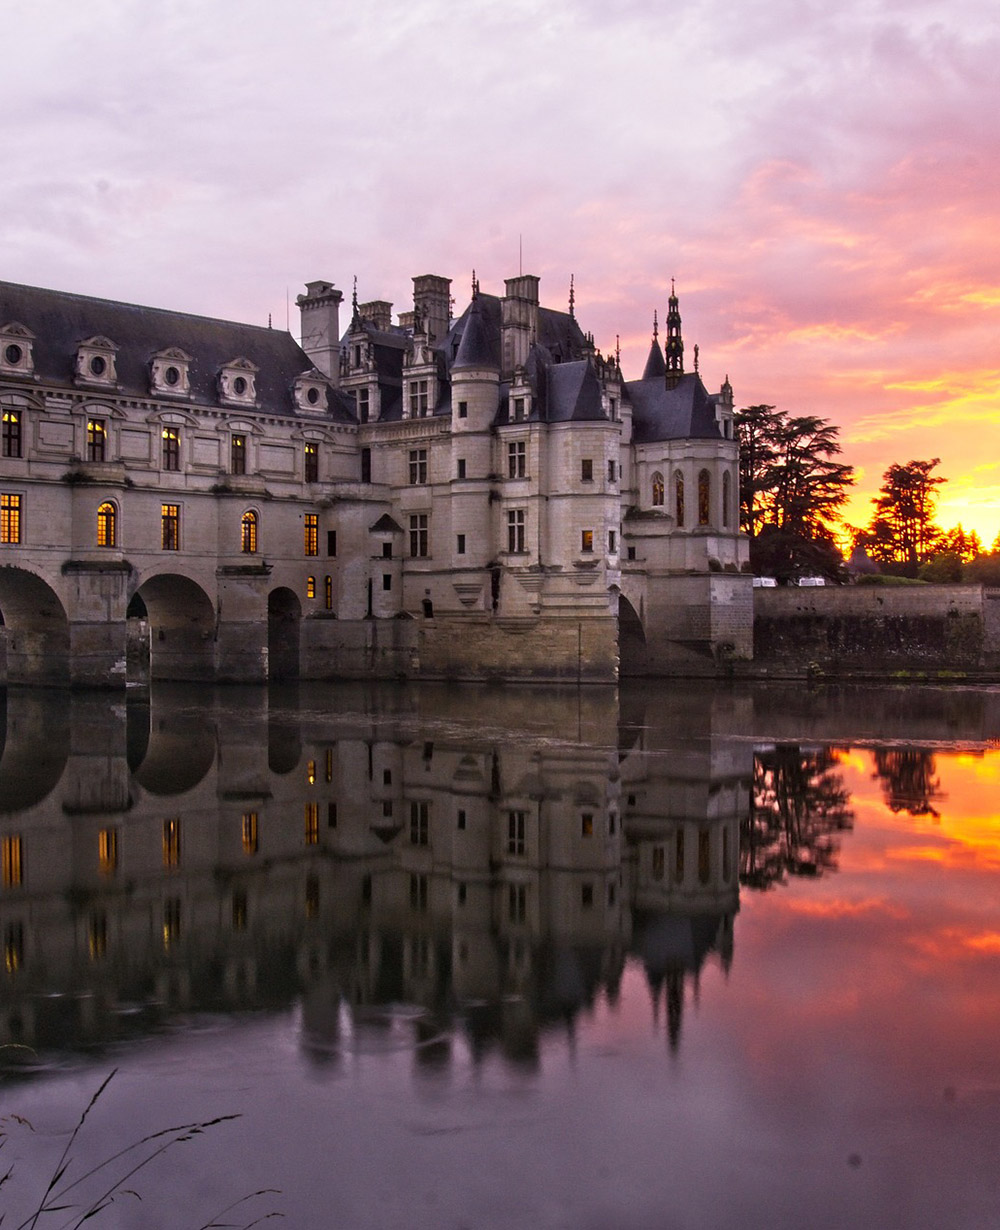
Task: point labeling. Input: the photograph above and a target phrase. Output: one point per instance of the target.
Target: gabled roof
(684, 412)
(61, 321)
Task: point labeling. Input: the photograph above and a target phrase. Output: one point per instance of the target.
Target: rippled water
(467, 958)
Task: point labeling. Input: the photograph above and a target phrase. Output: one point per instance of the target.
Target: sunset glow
(823, 188)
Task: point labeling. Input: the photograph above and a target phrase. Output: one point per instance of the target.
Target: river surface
(672, 956)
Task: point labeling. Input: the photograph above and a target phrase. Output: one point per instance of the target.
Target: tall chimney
(319, 309)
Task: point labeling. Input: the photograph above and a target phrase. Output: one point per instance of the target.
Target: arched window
(328, 593)
(310, 587)
(248, 533)
(727, 495)
(679, 496)
(704, 497)
(657, 489)
(107, 525)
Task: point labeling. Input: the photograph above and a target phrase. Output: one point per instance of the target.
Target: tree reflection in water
(798, 809)
(909, 780)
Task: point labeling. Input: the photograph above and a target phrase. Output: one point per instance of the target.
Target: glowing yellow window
(13, 947)
(248, 533)
(11, 861)
(311, 772)
(249, 832)
(107, 525)
(97, 936)
(107, 851)
(312, 824)
(171, 843)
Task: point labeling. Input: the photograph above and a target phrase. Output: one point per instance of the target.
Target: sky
(821, 180)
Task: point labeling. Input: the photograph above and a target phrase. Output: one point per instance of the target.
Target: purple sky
(822, 181)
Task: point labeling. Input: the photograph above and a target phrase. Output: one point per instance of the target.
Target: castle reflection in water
(490, 858)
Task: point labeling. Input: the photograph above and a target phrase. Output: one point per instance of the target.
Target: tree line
(794, 485)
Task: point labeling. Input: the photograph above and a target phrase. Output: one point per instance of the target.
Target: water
(679, 957)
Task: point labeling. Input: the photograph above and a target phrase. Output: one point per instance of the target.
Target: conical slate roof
(655, 365)
(476, 347)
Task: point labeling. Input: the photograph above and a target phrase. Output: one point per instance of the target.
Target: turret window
(704, 497)
(587, 541)
(587, 470)
(727, 494)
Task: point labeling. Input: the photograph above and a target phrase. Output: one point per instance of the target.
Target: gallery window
(12, 433)
(727, 497)
(364, 405)
(516, 459)
(310, 587)
(418, 466)
(418, 399)
(248, 533)
(10, 518)
(311, 462)
(311, 534)
(238, 454)
(704, 497)
(170, 527)
(328, 593)
(515, 531)
(171, 447)
(657, 490)
(679, 497)
(97, 439)
(107, 525)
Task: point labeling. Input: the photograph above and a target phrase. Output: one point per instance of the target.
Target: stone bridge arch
(284, 634)
(633, 656)
(180, 624)
(34, 630)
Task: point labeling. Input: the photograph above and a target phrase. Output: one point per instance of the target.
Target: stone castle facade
(480, 496)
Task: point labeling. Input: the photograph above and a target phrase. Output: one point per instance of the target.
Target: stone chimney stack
(432, 303)
(520, 321)
(320, 311)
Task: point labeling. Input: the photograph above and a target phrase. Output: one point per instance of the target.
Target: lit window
(250, 838)
(586, 541)
(238, 454)
(328, 593)
(311, 772)
(418, 535)
(310, 587)
(170, 527)
(10, 518)
(107, 851)
(418, 466)
(97, 935)
(311, 534)
(12, 433)
(248, 533)
(516, 459)
(171, 843)
(11, 861)
(107, 528)
(311, 462)
(515, 531)
(97, 439)
(171, 447)
(312, 824)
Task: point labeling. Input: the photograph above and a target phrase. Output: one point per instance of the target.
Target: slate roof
(656, 364)
(684, 412)
(60, 321)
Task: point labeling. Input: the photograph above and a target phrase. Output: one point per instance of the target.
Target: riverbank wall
(938, 632)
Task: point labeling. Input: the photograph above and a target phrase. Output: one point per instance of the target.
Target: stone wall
(876, 629)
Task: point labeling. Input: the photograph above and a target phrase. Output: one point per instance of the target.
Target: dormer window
(16, 357)
(170, 373)
(309, 393)
(238, 383)
(96, 362)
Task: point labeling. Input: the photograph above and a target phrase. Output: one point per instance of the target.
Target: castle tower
(674, 345)
(432, 304)
(655, 366)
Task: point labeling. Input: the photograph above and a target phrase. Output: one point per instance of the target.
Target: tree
(903, 530)
(792, 487)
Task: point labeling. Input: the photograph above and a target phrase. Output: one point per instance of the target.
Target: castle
(480, 496)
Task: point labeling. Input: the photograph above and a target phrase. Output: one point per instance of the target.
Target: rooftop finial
(475, 285)
(354, 301)
(656, 326)
(572, 296)
(618, 351)
(269, 320)
(696, 356)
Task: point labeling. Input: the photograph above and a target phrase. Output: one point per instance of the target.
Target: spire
(674, 345)
(618, 351)
(355, 319)
(572, 297)
(655, 368)
(696, 358)
(656, 326)
(475, 285)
